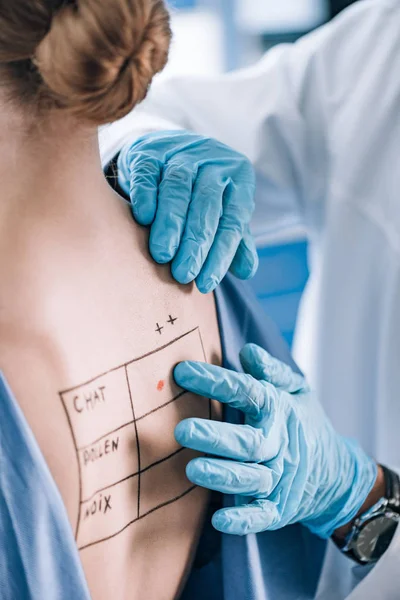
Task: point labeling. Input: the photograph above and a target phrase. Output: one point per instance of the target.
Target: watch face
(374, 538)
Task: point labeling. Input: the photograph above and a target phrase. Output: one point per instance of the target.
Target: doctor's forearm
(377, 492)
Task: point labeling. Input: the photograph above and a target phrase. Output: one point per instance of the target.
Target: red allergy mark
(160, 385)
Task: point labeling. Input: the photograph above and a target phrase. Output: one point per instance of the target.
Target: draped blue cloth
(39, 559)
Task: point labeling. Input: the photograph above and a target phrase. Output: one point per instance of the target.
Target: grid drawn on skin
(93, 500)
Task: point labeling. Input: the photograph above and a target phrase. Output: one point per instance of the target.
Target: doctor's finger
(245, 263)
(230, 477)
(260, 364)
(235, 217)
(237, 442)
(239, 390)
(255, 517)
(174, 196)
(145, 177)
(201, 226)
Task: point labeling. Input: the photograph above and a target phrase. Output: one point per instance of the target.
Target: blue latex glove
(287, 457)
(198, 196)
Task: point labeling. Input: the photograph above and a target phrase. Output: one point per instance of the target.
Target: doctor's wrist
(377, 492)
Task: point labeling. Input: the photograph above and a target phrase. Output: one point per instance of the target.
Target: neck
(53, 164)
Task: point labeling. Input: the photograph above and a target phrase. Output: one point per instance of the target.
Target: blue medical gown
(39, 559)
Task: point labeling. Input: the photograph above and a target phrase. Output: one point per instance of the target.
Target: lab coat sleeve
(280, 112)
(254, 110)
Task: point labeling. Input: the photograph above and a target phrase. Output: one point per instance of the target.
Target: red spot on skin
(160, 385)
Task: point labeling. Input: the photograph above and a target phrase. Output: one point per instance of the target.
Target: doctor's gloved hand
(286, 464)
(198, 196)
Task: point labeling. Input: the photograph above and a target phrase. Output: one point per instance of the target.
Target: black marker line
(79, 466)
(81, 448)
(76, 387)
(108, 487)
(137, 439)
(202, 345)
(154, 464)
(205, 358)
(182, 393)
(192, 487)
(125, 365)
(139, 518)
(161, 460)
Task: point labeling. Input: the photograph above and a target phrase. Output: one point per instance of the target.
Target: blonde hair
(92, 58)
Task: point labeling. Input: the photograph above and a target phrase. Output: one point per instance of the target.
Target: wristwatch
(373, 531)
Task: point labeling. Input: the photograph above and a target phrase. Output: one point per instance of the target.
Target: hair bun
(99, 56)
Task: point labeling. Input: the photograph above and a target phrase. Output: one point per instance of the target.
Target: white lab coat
(320, 121)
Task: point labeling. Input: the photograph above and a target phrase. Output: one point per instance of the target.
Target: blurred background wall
(213, 36)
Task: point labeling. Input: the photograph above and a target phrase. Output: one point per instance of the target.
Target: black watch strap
(390, 505)
(392, 485)
(111, 174)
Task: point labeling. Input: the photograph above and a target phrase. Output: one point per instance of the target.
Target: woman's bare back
(90, 330)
